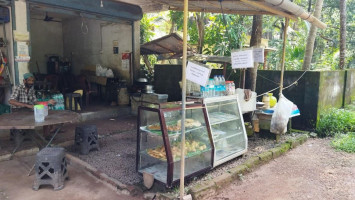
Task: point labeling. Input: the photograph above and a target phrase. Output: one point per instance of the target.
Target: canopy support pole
(283, 55)
(184, 61)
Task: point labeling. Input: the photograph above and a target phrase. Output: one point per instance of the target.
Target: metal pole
(184, 60)
(283, 55)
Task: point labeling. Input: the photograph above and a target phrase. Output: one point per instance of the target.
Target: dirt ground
(313, 170)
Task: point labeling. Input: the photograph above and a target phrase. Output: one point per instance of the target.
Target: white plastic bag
(98, 70)
(109, 73)
(281, 115)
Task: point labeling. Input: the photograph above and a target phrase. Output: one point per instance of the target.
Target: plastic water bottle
(222, 83)
(204, 91)
(217, 86)
(211, 88)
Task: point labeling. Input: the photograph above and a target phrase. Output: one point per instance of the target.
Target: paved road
(313, 170)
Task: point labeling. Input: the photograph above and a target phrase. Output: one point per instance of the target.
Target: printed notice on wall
(242, 59)
(258, 54)
(22, 52)
(197, 73)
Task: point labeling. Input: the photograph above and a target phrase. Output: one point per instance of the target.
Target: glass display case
(227, 128)
(159, 142)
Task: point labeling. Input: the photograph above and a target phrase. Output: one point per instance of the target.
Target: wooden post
(184, 60)
(283, 55)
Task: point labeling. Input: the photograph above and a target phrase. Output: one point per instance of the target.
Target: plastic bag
(98, 70)
(281, 116)
(109, 73)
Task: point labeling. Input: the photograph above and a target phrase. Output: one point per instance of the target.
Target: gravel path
(313, 170)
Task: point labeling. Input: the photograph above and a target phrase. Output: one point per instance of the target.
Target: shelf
(224, 136)
(159, 171)
(222, 153)
(170, 133)
(220, 117)
(189, 155)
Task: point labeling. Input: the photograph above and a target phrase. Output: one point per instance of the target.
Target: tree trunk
(312, 37)
(147, 63)
(255, 40)
(200, 22)
(342, 7)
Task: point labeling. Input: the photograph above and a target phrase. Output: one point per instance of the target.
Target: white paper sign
(258, 54)
(125, 64)
(242, 59)
(197, 73)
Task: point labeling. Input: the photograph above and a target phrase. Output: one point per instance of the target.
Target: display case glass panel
(227, 128)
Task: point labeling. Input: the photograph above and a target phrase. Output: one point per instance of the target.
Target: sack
(281, 116)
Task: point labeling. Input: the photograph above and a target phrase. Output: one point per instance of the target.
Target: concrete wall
(331, 90)
(350, 87)
(96, 46)
(315, 92)
(46, 39)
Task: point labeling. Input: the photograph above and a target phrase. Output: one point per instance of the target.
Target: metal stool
(86, 138)
(51, 168)
(74, 96)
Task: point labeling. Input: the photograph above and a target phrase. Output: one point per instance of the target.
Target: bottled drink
(233, 87)
(211, 88)
(204, 91)
(222, 84)
(217, 87)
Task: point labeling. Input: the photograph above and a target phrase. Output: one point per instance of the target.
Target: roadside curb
(121, 188)
(211, 187)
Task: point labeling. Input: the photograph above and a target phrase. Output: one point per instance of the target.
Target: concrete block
(165, 196)
(223, 180)
(240, 169)
(204, 190)
(252, 162)
(285, 147)
(303, 138)
(276, 152)
(293, 143)
(265, 156)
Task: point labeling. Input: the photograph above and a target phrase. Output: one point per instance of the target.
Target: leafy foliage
(225, 33)
(344, 142)
(335, 121)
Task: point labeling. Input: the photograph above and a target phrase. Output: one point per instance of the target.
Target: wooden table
(24, 119)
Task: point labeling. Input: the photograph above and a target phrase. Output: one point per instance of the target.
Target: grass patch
(335, 121)
(345, 142)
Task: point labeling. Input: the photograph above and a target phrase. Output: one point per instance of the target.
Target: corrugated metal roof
(169, 44)
(283, 8)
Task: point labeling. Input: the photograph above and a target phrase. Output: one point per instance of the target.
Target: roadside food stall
(282, 8)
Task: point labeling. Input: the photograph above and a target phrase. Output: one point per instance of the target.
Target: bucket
(123, 98)
(39, 113)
